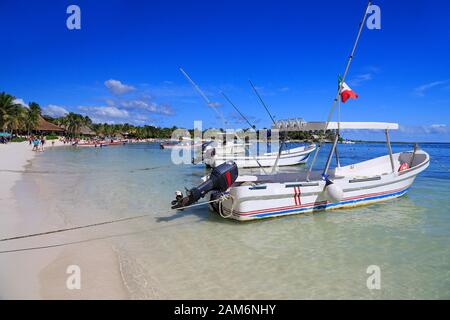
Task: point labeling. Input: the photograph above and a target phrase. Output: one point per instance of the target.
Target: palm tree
(9, 111)
(74, 123)
(18, 116)
(32, 116)
(98, 128)
(62, 122)
(87, 121)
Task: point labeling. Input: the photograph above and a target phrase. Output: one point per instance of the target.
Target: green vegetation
(51, 136)
(17, 119)
(19, 139)
(309, 136)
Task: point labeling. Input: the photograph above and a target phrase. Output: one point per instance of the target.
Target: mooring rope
(63, 244)
(99, 223)
(48, 172)
(223, 198)
(72, 228)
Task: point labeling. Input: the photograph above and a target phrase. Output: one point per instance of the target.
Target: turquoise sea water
(196, 254)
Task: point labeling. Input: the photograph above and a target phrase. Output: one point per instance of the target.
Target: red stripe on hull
(312, 203)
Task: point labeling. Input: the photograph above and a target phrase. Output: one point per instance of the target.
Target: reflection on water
(196, 254)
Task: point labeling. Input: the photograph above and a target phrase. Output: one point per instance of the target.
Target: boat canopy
(297, 125)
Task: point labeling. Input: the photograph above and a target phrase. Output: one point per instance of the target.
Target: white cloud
(105, 112)
(360, 78)
(54, 111)
(166, 110)
(420, 91)
(139, 104)
(213, 104)
(21, 102)
(439, 128)
(116, 87)
(425, 129)
(147, 106)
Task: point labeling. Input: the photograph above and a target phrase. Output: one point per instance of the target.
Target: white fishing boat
(184, 144)
(225, 148)
(280, 194)
(214, 157)
(251, 197)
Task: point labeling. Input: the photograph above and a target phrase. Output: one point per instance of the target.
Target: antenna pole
(338, 94)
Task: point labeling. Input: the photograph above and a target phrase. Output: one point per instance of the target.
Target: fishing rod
(252, 126)
(235, 108)
(262, 102)
(336, 99)
(283, 136)
(210, 104)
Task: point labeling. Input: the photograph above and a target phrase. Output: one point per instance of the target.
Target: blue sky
(122, 66)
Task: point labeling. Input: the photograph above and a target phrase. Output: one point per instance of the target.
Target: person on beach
(36, 144)
(42, 143)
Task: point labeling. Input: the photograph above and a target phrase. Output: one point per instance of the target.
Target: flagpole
(338, 133)
(339, 115)
(336, 99)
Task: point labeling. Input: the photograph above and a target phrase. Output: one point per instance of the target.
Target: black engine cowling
(220, 179)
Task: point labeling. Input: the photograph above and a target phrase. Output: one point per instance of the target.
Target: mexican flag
(346, 91)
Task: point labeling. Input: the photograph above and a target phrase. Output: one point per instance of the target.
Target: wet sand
(42, 273)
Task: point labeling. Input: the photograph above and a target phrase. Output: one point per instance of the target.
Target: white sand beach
(13, 159)
(41, 274)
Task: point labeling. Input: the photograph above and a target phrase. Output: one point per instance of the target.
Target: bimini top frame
(300, 125)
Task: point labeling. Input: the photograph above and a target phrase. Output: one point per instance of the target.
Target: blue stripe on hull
(325, 206)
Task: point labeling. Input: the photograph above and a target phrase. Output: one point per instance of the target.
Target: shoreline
(41, 274)
(14, 157)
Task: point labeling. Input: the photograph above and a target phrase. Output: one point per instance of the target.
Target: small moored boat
(289, 157)
(179, 145)
(280, 194)
(375, 180)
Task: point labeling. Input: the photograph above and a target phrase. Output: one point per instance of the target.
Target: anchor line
(63, 244)
(72, 228)
(100, 223)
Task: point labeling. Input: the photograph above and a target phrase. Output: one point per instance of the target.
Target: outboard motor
(220, 179)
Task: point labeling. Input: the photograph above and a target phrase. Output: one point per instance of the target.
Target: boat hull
(179, 146)
(290, 157)
(276, 199)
